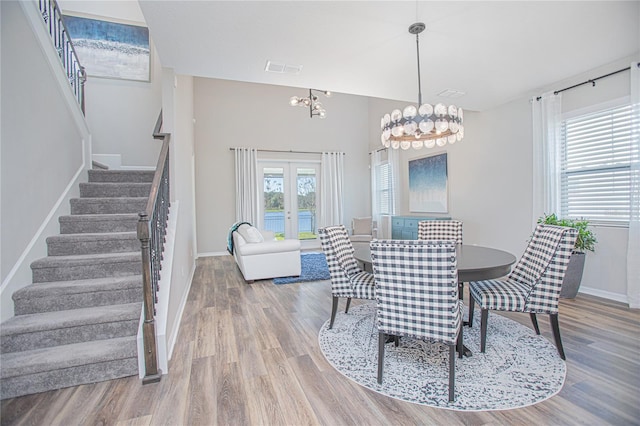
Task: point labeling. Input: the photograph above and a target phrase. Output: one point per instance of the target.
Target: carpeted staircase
(77, 322)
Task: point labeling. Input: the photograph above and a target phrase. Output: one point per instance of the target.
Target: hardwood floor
(247, 354)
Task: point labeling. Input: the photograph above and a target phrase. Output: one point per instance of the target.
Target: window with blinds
(596, 157)
(383, 188)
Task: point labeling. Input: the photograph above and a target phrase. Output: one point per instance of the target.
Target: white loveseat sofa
(260, 256)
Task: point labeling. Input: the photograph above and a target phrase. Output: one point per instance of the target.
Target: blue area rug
(313, 268)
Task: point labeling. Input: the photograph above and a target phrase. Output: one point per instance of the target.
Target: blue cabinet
(406, 227)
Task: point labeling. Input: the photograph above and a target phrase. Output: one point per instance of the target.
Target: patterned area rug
(518, 368)
(313, 268)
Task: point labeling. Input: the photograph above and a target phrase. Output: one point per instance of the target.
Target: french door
(289, 199)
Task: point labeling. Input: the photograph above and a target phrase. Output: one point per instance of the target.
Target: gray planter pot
(573, 276)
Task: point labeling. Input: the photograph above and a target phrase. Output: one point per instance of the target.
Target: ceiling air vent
(282, 68)
(451, 93)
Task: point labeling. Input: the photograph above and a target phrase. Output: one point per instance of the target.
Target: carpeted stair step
(58, 367)
(65, 295)
(121, 175)
(108, 205)
(33, 331)
(114, 189)
(78, 267)
(89, 243)
(96, 223)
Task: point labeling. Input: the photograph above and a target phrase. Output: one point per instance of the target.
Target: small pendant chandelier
(421, 125)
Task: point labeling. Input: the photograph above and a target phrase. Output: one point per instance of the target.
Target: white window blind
(596, 157)
(383, 188)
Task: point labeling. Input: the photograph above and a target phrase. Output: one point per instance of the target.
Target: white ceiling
(494, 51)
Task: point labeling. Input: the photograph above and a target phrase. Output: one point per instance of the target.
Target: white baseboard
(213, 253)
(178, 319)
(112, 161)
(20, 274)
(604, 294)
(137, 168)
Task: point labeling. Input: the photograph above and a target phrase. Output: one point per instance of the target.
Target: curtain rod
(378, 150)
(290, 151)
(591, 80)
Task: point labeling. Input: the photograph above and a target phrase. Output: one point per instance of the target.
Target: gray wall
(43, 142)
(230, 114)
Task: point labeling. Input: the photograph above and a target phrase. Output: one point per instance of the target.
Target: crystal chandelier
(421, 125)
(315, 107)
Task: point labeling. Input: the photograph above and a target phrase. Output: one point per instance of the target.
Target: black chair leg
(555, 326)
(534, 321)
(460, 343)
(396, 341)
(452, 372)
(472, 304)
(484, 319)
(334, 309)
(346, 310)
(381, 341)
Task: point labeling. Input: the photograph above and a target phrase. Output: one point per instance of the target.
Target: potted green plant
(585, 241)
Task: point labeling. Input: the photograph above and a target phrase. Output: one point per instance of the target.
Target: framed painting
(428, 187)
(110, 49)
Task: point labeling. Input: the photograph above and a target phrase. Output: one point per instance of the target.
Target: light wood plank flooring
(247, 354)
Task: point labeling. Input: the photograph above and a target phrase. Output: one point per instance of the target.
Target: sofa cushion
(250, 234)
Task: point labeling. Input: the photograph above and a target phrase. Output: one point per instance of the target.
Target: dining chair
(440, 230)
(534, 284)
(417, 295)
(445, 229)
(347, 279)
(363, 229)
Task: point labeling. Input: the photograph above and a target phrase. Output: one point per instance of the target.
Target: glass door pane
(289, 199)
(306, 184)
(273, 201)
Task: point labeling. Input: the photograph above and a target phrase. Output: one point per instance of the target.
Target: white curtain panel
(375, 161)
(547, 122)
(633, 247)
(331, 189)
(246, 185)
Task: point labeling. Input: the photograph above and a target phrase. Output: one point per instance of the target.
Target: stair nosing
(84, 259)
(119, 235)
(54, 320)
(33, 290)
(98, 216)
(27, 362)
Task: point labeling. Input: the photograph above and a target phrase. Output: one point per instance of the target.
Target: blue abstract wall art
(428, 191)
(110, 49)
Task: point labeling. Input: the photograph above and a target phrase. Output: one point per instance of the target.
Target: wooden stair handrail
(152, 224)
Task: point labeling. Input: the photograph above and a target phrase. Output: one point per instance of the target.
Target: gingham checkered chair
(440, 230)
(450, 230)
(417, 295)
(533, 285)
(347, 279)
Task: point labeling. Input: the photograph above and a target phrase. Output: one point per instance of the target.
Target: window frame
(571, 115)
(388, 190)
